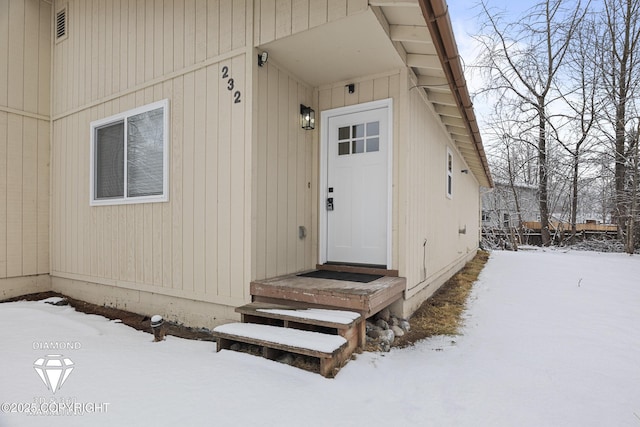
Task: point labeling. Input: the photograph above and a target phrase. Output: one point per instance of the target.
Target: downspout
(436, 15)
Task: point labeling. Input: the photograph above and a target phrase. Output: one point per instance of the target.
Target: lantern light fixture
(307, 117)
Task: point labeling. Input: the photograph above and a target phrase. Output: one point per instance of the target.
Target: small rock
(397, 330)
(387, 336)
(381, 323)
(394, 321)
(56, 301)
(405, 325)
(235, 347)
(384, 314)
(375, 333)
(384, 346)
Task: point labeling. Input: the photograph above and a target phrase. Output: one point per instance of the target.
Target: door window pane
(373, 128)
(358, 146)
(359, 138)
(373, 144)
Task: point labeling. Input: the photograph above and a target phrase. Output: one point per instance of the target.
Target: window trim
(97, 124)
(449, 177)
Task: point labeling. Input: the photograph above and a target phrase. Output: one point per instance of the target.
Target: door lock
(330, 203)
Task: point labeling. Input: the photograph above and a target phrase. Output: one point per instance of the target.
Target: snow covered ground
(551, 339)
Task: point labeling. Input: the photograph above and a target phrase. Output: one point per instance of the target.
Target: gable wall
(25, 35)
(125, 54)
(119, 46)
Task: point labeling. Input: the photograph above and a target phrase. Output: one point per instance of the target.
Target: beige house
(153, 157)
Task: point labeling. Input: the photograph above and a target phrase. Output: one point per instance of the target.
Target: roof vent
(61, 24)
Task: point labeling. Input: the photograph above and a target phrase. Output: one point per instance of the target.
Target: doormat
(341, 275)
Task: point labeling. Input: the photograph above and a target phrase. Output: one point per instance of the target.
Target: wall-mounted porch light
(307, 117)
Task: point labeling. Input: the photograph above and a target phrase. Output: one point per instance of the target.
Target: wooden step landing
(364, 298)
(330, 350)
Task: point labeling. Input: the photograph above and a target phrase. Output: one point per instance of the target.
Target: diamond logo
(53, 369)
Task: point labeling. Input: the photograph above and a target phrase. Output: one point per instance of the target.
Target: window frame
(123, 117)
(449, 177)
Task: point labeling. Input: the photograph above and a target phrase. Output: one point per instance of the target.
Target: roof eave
(436, 15)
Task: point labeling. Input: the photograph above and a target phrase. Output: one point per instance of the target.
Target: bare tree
(631, 240)
(619, 49)
(522, 61)
(578, 118)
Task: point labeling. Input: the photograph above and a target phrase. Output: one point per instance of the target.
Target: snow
(552, 338)
(334, 316)
(291, 337)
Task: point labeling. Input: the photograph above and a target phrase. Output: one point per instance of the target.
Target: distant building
(500, 210)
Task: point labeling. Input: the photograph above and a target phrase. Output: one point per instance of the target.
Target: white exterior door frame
(324, 194)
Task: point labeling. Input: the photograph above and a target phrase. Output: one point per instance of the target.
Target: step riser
(325, 322)
(329, 366)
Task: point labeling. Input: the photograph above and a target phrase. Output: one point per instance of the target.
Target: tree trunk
(631, 234)
(620, 170)
(574, 197)
(542, 175)
(516, 199)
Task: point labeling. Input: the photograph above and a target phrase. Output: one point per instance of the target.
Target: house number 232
(231, 85)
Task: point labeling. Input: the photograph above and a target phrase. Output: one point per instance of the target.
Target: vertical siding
(25, 56)
(119, 45)
(275, 19)
(125, 54)
(283, 157)
(426, 211)
(194, 244)
(25, 35)
(420, 209)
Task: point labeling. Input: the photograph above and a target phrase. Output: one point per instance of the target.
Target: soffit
(409, 31)
(356, 45)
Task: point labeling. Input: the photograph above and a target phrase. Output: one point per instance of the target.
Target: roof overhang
(357, 46)
(467, 138)
(389, 35)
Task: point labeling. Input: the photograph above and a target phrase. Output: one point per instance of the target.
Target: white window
(449, 173)
(129, 156)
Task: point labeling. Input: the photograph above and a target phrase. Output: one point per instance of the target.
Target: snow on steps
(330, 336)
(273, 340)
(313, 342)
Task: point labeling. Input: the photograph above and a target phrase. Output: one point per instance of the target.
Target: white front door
(357, 188)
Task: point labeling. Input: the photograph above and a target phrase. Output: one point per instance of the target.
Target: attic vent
(61, 24)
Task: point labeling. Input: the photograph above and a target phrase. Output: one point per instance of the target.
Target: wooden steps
(328, 336)
(364, 298)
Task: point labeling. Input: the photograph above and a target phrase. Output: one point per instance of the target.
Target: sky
(465, 19)
(553, 346)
